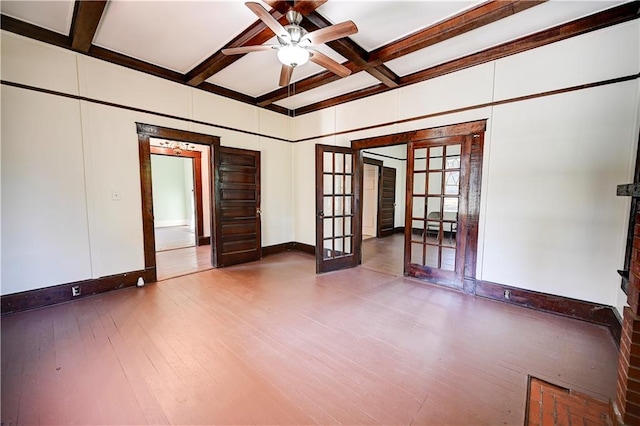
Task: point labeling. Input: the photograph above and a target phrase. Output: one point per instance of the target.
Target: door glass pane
(339, 168)
(328, 206)
(418, 208)
(347, 245)
(339, 247)
(327, 249)
(433, 206)
(339, 188)
(433, 231)
(338, 203)
(347, 205)
(327, 225)
(347, 226)
(327, 184)
(417, 227)
(347, 185)
(435, 183)
(432, 256)
(419, 180)
(448, 259)
(451, 208)
(417, 253)
(348, 163)
(327, 162)
(451, 182)
(338, 230)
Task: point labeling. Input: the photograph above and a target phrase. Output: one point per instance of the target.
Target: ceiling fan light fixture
(293, 55)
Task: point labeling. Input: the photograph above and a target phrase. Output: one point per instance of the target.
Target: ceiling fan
(295, 43)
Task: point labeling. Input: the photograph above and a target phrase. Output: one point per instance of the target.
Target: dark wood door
(437, 199)
(237, 206)
(387, 202)
(338, 230)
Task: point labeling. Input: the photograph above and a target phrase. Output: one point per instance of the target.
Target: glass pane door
(435, 170)
(335, 208)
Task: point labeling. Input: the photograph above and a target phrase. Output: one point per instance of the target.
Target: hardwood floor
(174, 263)
(174, 237)
(271, 342)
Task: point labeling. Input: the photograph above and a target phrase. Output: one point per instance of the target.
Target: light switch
(115, 195)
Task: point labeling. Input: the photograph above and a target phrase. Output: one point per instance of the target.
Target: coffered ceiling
(398, 43)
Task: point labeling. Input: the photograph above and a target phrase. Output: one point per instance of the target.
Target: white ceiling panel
(176, 35)
(358, 81)
(258, 73)
(52, 15)
(530, 21)
(381, 22)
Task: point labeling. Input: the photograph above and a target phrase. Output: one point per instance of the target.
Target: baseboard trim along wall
(41, 297)
(578, 309)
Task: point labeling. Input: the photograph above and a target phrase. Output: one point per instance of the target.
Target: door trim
(145, 132)
(379, 164)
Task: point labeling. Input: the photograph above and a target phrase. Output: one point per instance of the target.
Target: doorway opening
(383, 186)
(181, 207)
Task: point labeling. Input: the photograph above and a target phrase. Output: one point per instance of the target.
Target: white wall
(70, 156)
(550, 220)
(172, 182)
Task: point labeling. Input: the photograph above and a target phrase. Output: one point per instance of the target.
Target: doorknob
(320, 214)
(258, 211)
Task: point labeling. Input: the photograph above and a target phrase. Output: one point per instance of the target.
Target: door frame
(145, 132)
(379, 164)
(196, 158)
(474, 128)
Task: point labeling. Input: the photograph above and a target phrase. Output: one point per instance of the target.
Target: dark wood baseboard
(573, 308)
(204, 241)
(38, 298)
(290, 246)
(398, 230)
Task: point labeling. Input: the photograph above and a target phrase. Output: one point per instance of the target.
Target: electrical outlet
(75, 290)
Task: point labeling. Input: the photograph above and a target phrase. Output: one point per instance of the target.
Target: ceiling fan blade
(285, 75)
(325, 61)
(333, 32)
(268, 20)
(247, 49)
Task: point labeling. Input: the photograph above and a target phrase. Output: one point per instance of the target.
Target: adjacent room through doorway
(181, 207)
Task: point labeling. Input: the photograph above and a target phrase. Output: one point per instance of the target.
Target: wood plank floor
(271, 342)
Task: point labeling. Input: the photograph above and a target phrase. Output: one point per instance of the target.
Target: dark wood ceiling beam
(305, 7)
(616, 15)
(257, 33)
(25, 29)
(469, 20)
(86, 17)
(385, 75)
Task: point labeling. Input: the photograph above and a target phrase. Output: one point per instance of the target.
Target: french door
(438, 172)
(338, 231)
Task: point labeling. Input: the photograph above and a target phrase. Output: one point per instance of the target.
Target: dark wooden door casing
(145, 132)
(237, 206)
